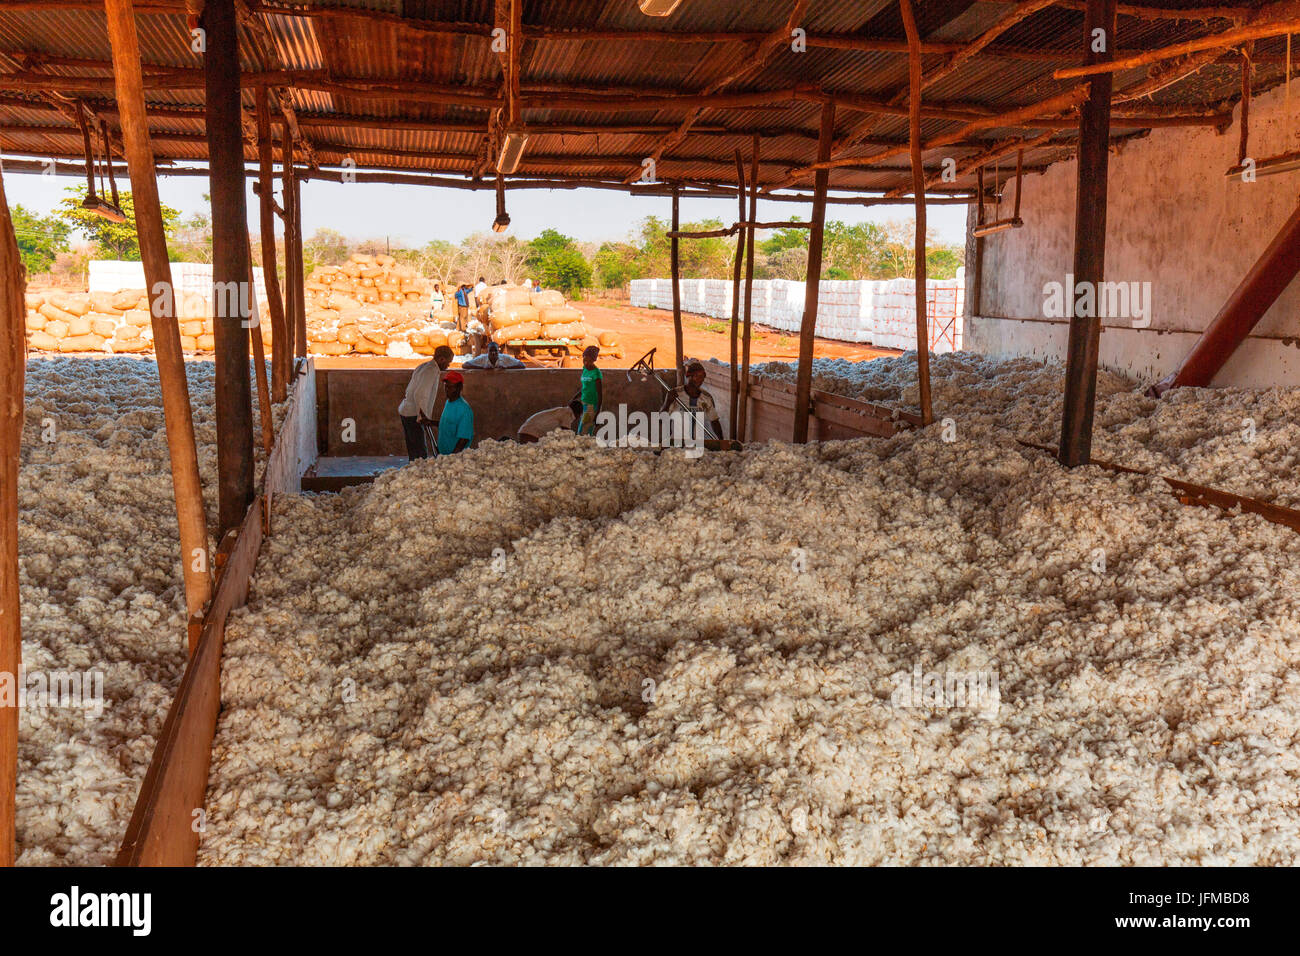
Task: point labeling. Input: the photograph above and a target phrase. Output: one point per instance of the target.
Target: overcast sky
(413, 215)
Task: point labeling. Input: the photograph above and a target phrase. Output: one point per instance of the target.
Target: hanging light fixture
(658, 8)
(502, 221)
(513, 142)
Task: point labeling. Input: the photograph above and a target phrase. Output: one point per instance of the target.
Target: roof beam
(767, 47)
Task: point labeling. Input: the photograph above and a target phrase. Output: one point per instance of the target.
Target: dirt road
(640, 330)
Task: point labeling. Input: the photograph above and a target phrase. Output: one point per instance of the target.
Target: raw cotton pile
(711, 660)
(371, 305)
(114, 322)
(101, 591)
(1238, 439)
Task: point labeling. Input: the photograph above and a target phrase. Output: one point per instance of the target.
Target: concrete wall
(881, 312)
(1172, 220)
(501, 398)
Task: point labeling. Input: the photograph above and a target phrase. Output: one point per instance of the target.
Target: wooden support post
(918, 190)
(733, 368)
(299, 275)
(281, 342)
(749, 295)
(231, 269)
(1089, 242)
(808, 326)
(13, 370)
(291, 278)
(259, 360)
(177, 414)
(676, 269)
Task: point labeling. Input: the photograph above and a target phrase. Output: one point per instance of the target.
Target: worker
(462, 306)
(480, 292)
(549, 420)
(590, 390)
(476, 336)
(696, 399)
(456, 424)
(421, 400)
(436, 299)
(493, 358)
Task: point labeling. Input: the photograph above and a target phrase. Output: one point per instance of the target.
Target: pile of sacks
(515, 313)
(115, 322)
(371, 305)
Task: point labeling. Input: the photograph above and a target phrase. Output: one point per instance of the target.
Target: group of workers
(471, 309)
(445, 427)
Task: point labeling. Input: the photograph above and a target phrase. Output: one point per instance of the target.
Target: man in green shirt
(456, 426)
(591, 392)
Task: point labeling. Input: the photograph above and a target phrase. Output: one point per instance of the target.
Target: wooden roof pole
(918, 188)
(1089, 244)
(259, 359)
(230, 267)
(750, 228)
(13, 370)
(177, 414)
(292, 278)
(281, 344)
(675, 268)
(766, 49)
(734, 335)
(1257, 30)
(808, 324)
(298, 291)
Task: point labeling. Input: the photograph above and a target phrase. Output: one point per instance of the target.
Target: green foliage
(40, 238)
(113, 240)
(326, 247)
(559, 263)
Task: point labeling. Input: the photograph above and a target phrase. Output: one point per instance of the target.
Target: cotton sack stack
(371, 305)
(517, 313)
(114, 322)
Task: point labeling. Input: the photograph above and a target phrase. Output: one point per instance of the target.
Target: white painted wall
(1172, 220)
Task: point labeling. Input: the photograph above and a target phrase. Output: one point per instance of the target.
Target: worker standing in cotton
(591, 390)
(456, 424)
(420, 401)
(549, 420)
(699, 402)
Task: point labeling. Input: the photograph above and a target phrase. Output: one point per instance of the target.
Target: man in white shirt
(419, 404)
(480, 290)
(493, 358)
(547, 421)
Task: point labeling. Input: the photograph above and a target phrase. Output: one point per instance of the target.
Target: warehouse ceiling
(417, 88)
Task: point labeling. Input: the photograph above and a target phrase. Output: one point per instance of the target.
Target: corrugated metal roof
(392, 41)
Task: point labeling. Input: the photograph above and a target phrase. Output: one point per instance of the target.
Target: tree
(40, 239)
(559, 263)
(616, 264)
(112, 240)
(326, 247)
(192, 239)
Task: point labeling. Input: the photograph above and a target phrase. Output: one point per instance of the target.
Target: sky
(413, 215)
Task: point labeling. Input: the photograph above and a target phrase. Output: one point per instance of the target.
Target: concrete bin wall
(501, 398)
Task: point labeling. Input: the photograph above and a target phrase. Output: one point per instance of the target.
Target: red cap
(453, 377)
